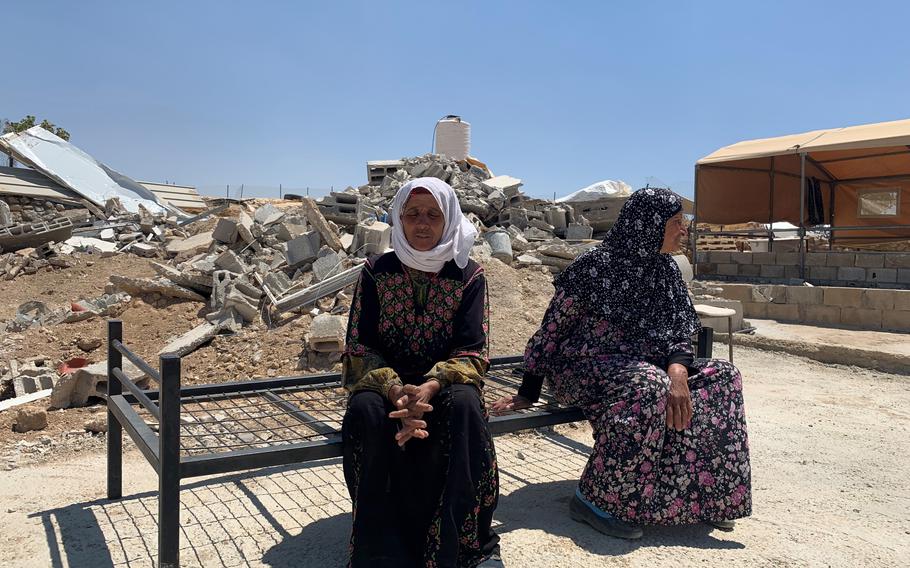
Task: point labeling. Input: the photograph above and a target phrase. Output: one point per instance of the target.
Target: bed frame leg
(705, 343)
(169, 464)
(114, 429)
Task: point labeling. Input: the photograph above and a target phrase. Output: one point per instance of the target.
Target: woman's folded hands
(411, 402)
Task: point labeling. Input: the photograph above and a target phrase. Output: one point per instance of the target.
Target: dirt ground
(518, 299)
(830, 449)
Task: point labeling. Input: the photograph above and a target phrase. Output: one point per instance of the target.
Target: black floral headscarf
(629, 281)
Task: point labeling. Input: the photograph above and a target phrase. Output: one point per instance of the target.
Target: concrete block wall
(861, 269)
(29, 210)
(866, 308)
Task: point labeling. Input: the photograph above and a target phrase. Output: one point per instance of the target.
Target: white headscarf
(457, 236)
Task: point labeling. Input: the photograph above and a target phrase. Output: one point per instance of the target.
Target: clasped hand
(411, 402)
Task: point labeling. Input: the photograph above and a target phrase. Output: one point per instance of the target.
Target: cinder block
(886, 275)
(870, 259)
(901, 299)
(771, 270)
(814, 258)
(897, 260)
(701, 257)
(704, 268)
(805, 295)
(822, 273)
(783, 312)
(719, 257)
(741, 257)
(903, 275)
(851, 274)
(878, 299)
(847, 259)
(895, 320)
(752, 270)
(728, 269)
(758, 310)
(861, 317)
(764, 258)
(814, 313)
(850, 297)
(788, 258)
(741, 292)
(791, 272)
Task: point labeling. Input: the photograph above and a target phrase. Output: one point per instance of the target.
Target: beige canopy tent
(853, 182)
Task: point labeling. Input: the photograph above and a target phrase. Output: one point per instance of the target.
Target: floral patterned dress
(430, 504)
(620, 316)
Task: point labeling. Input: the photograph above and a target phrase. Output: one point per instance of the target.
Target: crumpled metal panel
(71, 167)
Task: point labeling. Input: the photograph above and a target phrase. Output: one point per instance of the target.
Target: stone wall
(866, 308)
(861, 269)
(28, 210)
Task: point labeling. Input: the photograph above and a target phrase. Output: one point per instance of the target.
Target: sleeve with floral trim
(363, 367)
(469, 359)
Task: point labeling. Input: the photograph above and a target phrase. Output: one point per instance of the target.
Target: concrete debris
(316, 219)
(302, 249)
(149, 286)
(327, 333)
(372, 238)
(225, 231)
(268, 214)
(6, 216)
(327, 265)
(191, 340)
(78, 387)
(32, 376)
(190, 246)
(29, 419)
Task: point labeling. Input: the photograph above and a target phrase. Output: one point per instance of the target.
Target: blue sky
(560, 94)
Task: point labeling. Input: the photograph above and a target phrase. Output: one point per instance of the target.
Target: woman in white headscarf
(418, 455)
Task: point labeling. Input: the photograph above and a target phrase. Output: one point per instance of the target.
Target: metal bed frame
(193, 431)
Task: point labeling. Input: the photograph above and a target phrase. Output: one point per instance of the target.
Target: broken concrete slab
(191, 340)
(327, 266)
(315, 218)
(76, 388)
(225, 231)
(6, 216)
(33, 376)
(198, 282)
(268, 214)
(228, 260)
(89, 244)
(189, 246)
(579, 232)
(149, 286)
(144, 249)
(312, 293)
(289, 231)
(327, 333)
(303, 249)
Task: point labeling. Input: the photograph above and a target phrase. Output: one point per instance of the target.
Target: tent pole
(695, 226)
(833, 186)
(771, 210)
(802, 211)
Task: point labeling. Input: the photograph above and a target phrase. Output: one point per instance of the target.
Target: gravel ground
(830, 468)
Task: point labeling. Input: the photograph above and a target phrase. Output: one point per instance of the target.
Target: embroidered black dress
(430, 504)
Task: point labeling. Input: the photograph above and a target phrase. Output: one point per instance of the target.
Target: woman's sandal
(723, 525)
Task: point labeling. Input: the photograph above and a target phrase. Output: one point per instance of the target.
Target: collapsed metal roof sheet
(72, 168)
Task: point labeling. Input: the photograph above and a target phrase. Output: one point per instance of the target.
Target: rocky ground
(517, 299)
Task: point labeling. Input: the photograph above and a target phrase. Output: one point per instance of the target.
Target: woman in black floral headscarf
(670, 444)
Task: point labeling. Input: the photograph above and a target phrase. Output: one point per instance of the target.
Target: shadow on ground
(298, 516)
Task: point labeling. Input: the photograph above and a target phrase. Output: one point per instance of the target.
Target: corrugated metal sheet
(184, 197)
